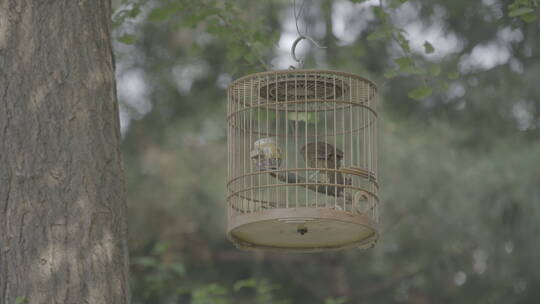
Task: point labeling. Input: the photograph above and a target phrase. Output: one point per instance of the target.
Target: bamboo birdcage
(302, 161)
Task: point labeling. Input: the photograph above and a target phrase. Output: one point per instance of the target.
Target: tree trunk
(62, 197)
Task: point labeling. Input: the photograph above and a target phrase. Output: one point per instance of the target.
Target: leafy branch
(526, 10)
(406, 64)
(247, 40)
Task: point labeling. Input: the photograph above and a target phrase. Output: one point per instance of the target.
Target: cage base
(302, 230)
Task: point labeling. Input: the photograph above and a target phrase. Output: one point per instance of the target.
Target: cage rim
(292, 71)
(363, 173)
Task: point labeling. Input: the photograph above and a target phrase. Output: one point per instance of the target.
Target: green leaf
(159, 14)
(403, 42)
(145, 261)
(274, 37)
(20, 300)
(191, 20)
(520, 11)
(380, 34)
(380, 13)
(358, 1)
(397, 3)
(134, 12)
(179, 269)
(406, 65)
(263, 114)
(420, 93)
(415, 71)
(428, 48)
(530, 17)
(453, 75)
(445, 86)
(391, 74)
(250, 57)
(215, 28)
(235, 51)
(435, 70)
(127, 39)
(404, 62)
(211, 294)
(249, 283)
(340, 300)
(309, 117)
(161, 247)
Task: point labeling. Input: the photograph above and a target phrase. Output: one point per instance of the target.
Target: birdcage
(302, 161)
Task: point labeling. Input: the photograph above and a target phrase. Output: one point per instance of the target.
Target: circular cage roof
(302, 90)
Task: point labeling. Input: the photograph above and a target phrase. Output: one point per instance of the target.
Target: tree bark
(62, 198)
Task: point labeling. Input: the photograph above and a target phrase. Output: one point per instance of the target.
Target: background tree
(63, 219)
(459, 166)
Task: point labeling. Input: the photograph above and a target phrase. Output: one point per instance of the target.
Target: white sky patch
(484, 57)
(283, 58)
(224, 80)
(132, 89)
(480, 261)
(516, 66)
(508, 247)
(317, 31)
(125, 119)
(520, 285)
(185, 74)
(133, 93)
(460, 278)
(509, 35)
(444, 41)
(523, 114)
(349, 20)
(455, 91)
(496, 9)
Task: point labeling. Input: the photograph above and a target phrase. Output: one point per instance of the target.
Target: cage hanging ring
(293, 49)
(295, 43)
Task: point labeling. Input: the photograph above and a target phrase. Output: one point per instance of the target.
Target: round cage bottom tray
(302, 230)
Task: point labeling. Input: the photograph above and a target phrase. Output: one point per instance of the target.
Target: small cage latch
(302, 230)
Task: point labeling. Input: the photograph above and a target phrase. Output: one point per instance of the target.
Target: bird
(320, 156)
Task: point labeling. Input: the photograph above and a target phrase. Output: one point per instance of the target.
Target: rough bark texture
(62, 200)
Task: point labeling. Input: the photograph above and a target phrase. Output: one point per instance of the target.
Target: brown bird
(322, 156)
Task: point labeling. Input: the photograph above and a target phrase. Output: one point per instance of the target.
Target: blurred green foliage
(459, 149)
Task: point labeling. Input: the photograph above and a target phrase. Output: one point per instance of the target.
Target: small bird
(322, 156)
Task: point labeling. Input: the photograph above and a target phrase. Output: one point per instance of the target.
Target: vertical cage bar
(316, 140)
(276, 121)
(286, 154)
(268, 197)
(306, 124)
(296, 135)
(252, 198)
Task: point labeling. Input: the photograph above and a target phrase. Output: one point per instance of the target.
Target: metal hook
(301, 36)
(295, 43)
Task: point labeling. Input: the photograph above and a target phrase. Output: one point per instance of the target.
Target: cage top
(302, 90)
(301, 71)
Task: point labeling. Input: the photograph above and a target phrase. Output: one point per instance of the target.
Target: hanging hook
(295, 43)
(301, 36)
